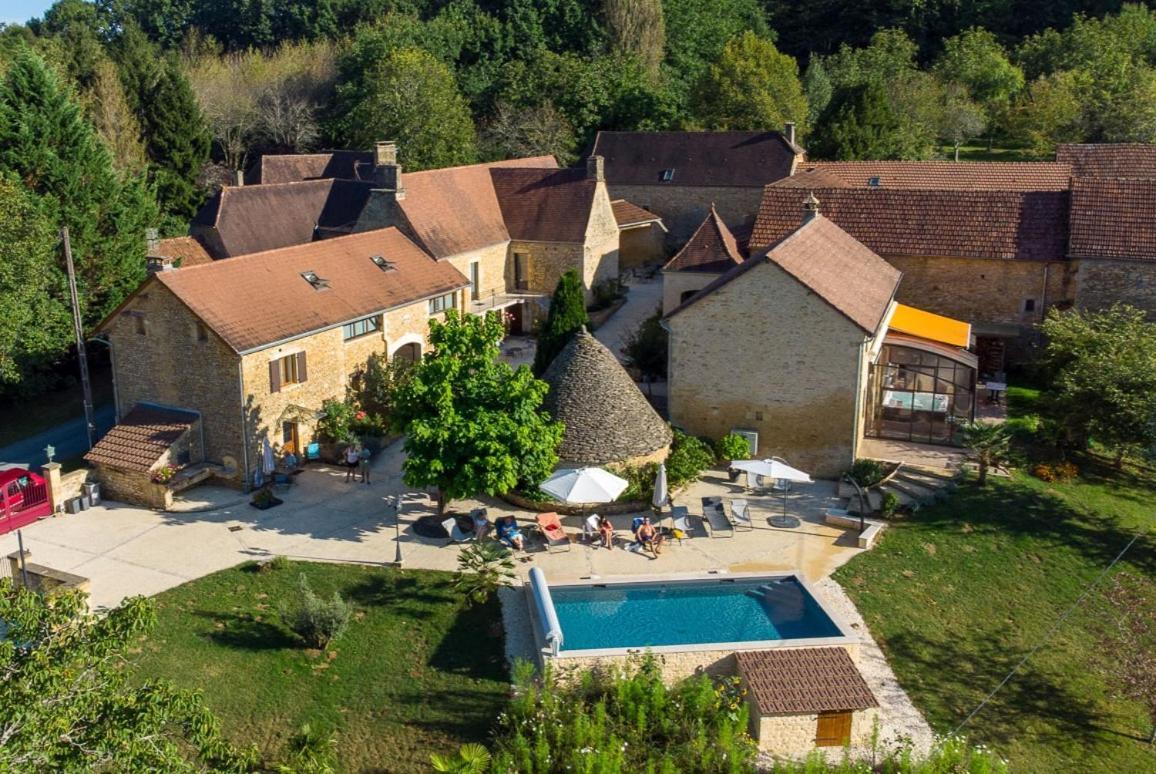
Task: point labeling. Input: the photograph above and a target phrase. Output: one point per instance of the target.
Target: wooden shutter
(301, 367)
(274, 376)
(834, 729)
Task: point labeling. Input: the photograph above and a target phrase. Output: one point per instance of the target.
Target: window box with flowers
(164, 474)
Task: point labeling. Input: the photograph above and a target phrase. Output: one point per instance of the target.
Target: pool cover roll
(552, 630)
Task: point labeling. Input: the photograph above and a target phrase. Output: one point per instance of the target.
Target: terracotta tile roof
(712, 248)
(804, 681)
(455, 210)
(630, 214)
(696, 158)
(252, 218)
(963, 224)
(944, 175)
(187, 250)
(1109, 160)
(295, 167)
(545, 205)
(1113, 219)
(833, 265)
(140, 438)
(254, 300)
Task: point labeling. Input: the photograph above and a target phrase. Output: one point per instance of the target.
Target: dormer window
(667, 175)
(317, 282)
(381, 263)
(874, 182)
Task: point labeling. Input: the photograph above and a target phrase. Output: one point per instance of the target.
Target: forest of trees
(117, 115)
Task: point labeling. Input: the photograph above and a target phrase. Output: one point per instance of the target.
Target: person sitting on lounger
(590, 527)
(508, 533)
(481, 523)
(649, 537)
(606, 531)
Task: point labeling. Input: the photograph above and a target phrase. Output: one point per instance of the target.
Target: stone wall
(676, 283)
(764, 353)
(133, 486)
(170, 365)
(794, 735)
(601, 245)
(683, 208)
(641, 246)
(495, 269)
(545, 263)
(1101, 283)
(985, 293)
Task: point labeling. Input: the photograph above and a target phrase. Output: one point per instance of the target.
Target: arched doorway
(407, 353)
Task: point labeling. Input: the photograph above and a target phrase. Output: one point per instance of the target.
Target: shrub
(336, 420)
(1057, 472)
(889, 504)
(640, 480)
(689, 456)
(482, 568)
(315, 620)
(312, 750)
(164, 475)
(646, 349)
(276, 564)
(605, 293)
(867, 472)
(732, 446)
(628, 723)
(366, 425)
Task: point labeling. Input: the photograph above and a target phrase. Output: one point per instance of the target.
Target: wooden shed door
(834, 729)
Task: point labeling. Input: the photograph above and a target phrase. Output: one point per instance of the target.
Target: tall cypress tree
(46, 143)
(567, 316)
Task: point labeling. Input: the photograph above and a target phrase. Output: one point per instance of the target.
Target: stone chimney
(386, 170)
(154, 261)
(238, 177)
(810, 207)
(789, 132)
(596, 169)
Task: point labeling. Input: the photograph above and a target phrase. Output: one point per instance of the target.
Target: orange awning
(926, 325)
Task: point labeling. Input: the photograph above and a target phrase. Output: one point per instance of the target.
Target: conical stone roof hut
(607, 418)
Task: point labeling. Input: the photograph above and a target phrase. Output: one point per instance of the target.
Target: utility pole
(78, 329)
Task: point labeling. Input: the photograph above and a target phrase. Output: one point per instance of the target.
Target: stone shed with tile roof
(641, 235)
(803, 698)
(146, 440)
(608, 420)
(711, 252)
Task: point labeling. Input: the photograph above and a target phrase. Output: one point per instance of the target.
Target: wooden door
(834, 729)
(289, 438)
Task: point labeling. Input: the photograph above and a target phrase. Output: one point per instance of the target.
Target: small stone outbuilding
(804, 698)
(144, 441)
(608, 419)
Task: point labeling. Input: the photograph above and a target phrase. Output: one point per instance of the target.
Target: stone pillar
(55, 486)
(14, 566)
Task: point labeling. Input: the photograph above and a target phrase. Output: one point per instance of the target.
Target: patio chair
(739, 514)
(313, 452)
(681, 526)
(455, 533)
(720, 525)
(551, 528)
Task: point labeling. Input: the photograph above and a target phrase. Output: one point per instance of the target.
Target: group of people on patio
(600, 531)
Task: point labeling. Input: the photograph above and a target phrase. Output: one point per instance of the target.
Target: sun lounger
(720, 525)
(739, 514)
(455, 533)
(551, 528)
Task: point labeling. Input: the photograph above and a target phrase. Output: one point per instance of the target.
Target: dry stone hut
(607, 418)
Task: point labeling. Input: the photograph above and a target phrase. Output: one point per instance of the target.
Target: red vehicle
(23, 499)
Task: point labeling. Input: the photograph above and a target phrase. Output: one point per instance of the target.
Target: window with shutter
(274, 376)
(301, 376)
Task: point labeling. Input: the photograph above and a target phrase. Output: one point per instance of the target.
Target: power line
(1048, 636)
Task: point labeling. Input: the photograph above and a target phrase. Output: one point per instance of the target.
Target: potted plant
(263, 499)
(164, 474)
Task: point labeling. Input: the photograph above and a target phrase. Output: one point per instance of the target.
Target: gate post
(55, 486)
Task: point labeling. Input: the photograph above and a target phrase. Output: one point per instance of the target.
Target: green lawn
(958, 593)
(416, 671)
(980, 152)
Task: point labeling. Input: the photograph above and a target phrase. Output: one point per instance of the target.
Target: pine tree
(46, 143)
(859, 124)
(567, 316)
(177, 141)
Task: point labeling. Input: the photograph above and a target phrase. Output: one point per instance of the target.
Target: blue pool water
(688, 613)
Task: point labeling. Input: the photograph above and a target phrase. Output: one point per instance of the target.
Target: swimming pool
(692, 613)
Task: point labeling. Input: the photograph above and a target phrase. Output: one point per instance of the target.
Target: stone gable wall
(765, 353)
(171, 367)
(600, 251)
(675, 283)
(684, 208)
(1101, 283)
(641, 246)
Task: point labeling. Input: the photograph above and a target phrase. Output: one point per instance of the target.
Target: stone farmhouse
(678, 175)
(803, 348)
(284, 289)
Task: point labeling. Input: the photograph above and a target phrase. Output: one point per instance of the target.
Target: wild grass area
(959, 592)
(417, 671)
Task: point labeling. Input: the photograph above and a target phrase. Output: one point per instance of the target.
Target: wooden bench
(838, 517)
